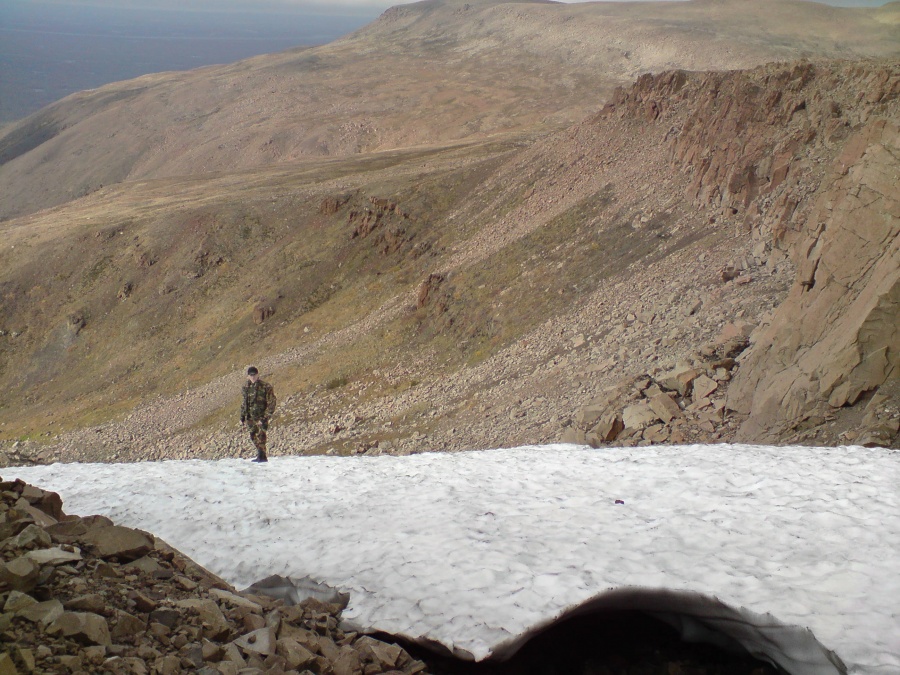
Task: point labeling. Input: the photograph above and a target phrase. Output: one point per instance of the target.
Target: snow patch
(477, 551)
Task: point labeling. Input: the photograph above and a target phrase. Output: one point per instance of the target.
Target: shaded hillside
(476, 296)
(425, 73)
(162, 284)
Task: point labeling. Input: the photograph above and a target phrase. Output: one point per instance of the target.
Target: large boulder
(121, 543)
(83, 627)
(19, 574)
(215, 625)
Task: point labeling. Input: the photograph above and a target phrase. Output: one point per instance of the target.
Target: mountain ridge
(476, 296)
(420, 74)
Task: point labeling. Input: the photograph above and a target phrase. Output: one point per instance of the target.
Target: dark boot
(260, 456)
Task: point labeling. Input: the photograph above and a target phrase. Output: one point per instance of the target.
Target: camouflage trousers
(258, 434)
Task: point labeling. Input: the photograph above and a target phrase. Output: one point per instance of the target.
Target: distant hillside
(53, 49)
(686, 265)
(428, 73)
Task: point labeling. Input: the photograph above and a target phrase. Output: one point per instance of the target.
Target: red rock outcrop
(807, 157)
(835, 339)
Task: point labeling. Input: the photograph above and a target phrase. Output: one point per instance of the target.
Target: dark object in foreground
(614, 643)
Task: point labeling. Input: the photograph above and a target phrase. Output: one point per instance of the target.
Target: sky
(261, 5)
(792, 550)
(51, 48)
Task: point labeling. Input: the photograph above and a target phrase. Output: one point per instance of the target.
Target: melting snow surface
(476, 550)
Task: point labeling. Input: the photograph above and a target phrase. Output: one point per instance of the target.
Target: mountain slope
(426, 73)
(471, 296)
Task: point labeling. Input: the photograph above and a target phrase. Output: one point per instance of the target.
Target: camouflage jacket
(258, 400)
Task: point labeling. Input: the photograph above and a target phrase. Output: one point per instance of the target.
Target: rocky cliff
(835, 342)
(804, 160)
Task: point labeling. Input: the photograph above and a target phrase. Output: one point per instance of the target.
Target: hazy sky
(261, 5)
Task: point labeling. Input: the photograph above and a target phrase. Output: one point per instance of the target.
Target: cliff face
(835, 339)
(806, 157)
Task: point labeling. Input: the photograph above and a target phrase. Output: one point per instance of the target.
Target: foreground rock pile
(686, 403)
(82, 595)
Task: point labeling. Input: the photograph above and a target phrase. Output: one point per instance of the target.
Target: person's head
(252, 374)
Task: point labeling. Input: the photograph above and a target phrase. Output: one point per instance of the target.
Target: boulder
(165, 616)
(53, 556)
(90, 522)
(235, 600)
(381, 653)
(35, 514)
(16, 601)
(127, 625)
(573, 435)
(42, 612)
(19, 574)
(121, 543)
(91, 602)
(67, 528)
(294, 653)
(170, 665)
(145, 564)
(31, 537)
(215, 625)
(589, 415)
(262, 313)
(253, 621)
(328, 648)
(606, 430)
(347, 662)
(638, 416)
(141, 602)
(83, 627)
(48, 502)
(703, 386)
(665, 407)
(302, 636)
(211, 651)
(262, 642)
(680, 379)
(737, 330)
(658, 433)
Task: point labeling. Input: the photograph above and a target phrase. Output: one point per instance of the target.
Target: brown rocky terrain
(482, 247)
(488, 294)
(423, 74)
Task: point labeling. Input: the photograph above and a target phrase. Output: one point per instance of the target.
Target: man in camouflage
(257, 407)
